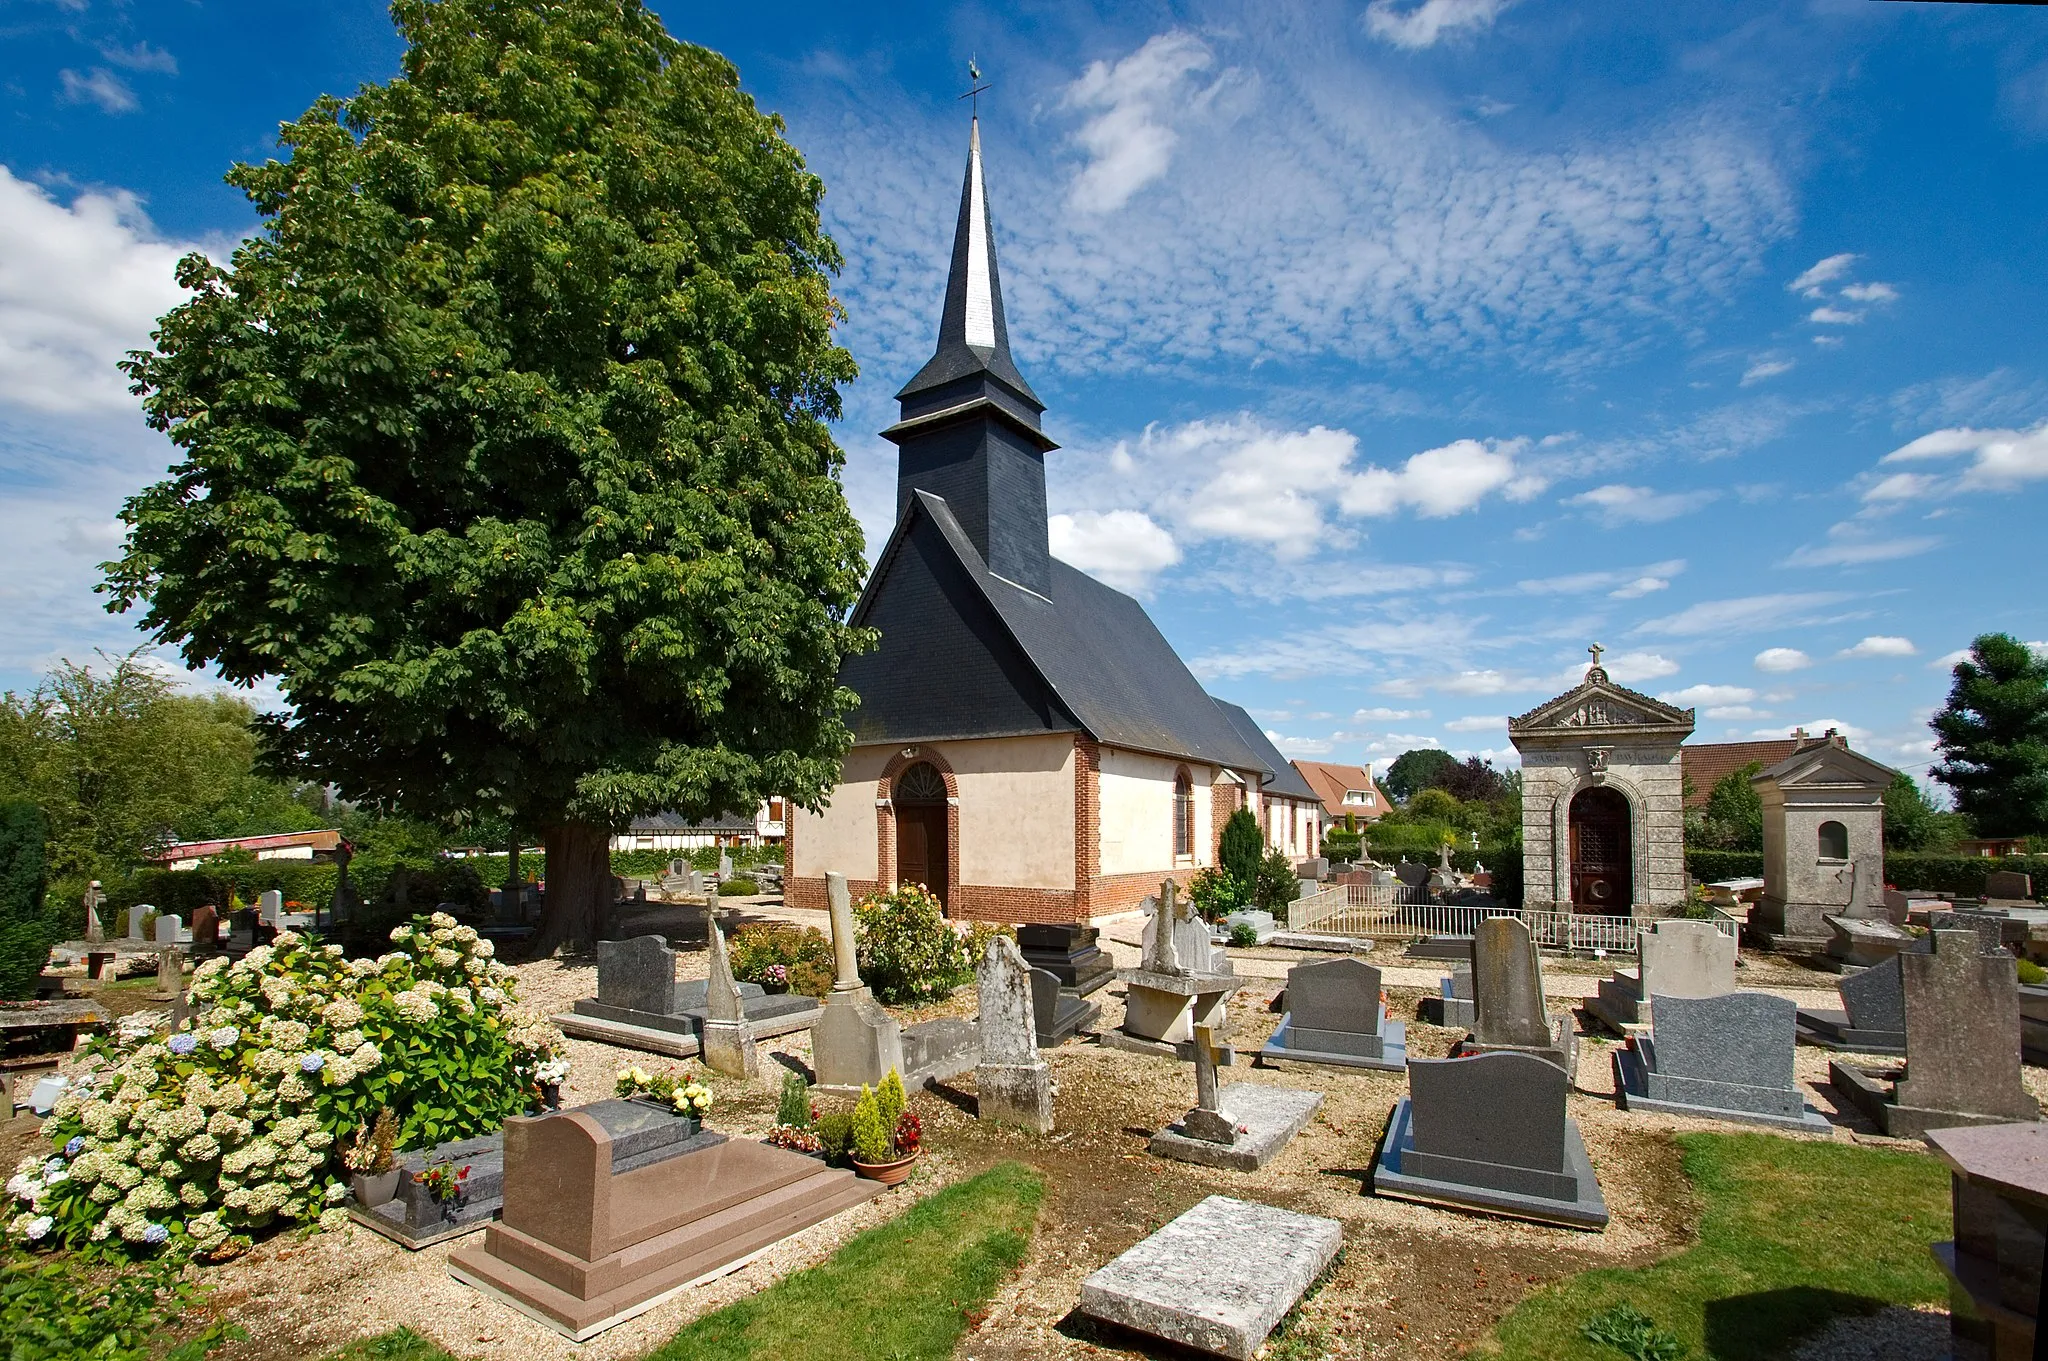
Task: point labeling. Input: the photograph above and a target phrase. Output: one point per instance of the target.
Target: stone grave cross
(1208, 1120)
(94, 898)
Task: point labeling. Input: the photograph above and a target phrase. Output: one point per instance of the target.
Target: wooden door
(1603, 853)
(921, 847)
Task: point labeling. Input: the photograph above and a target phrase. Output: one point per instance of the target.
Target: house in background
(670, 832)
(1027, 744)
(1706, 764)
(186, 855)
(1342, 791)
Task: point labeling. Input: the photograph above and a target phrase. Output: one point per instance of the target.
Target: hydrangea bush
(229, 1125)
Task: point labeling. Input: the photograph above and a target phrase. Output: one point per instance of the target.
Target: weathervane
(974, 80)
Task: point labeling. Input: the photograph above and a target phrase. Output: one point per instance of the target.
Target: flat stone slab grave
(1217, 1279)
(413, 1220)
(1267, 1117)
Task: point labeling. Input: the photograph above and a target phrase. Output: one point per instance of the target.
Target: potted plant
(886, 1138)
(444, 1183)
(373, 1172)
(775, 979)
(796, 1119)
(549, 1077)
(680, 1096)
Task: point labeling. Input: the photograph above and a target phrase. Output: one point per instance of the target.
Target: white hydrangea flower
(415, 1006)
(442, 920)
(342, 1014)
(293, 1088)
(444, 958)
(363, 968)
(285, 940)
(257, 960)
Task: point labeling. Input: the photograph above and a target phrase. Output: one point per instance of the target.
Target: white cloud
(1388, 715)
(142, 57)
(1619, 504)
(98, 86)
(1441, 482)
(1881, 645)
(1870, 293)
(1947, 660)
(1732, 712)
(80, 286)
(1826, 271)
(1852, 552)
(2001, 459)
(1128, 139)
(1777, 659)
(1641, 586)
(1300, 746)
(1124, 548)
(1745, 612)
(1765, 368)
(1476, 723)
(1632, 668)
(1710, 694)
(1833, 316)
(1426, 24)
(1627, 583)
(1816, 728)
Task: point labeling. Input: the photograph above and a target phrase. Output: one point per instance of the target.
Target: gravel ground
(1415, 1281)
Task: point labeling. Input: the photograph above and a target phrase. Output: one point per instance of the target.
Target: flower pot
(551, 1095)
(375, 1188)
(886, 1173)
(774, 989)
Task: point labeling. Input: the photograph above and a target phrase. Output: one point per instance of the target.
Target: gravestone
(169, 928)
(1316, 867)
(270, 907)
(1452, 1006)
(206, 927)
(1999, 1191)
(135, 916)
(1182, 981)
(1335, 1015)
(1962, 1045)
(95, 899)
(613, 1206)
(1676, 958)
(1729, 1057)
(1069, 953)
(1873, 1018)
(640, 1004)
(1261, 923)
(728, 1041)
(1507, 997)
(2009, 886)
(1240, 1127)
(724, 866)
(1412, 873)
(1012, 1083)
(1218, 1278)
(1489, 1133)
(1863, 942)
(1058, 1015)
(638, 975)
(414, 1219)
(854, 1043)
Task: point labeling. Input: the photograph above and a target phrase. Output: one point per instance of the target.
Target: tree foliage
(1240, 849)
(1733, 818)
(1912, 823)
(504, 442)
(25, 928)
(1414, 771)
(1473, 781)
(1993, 738)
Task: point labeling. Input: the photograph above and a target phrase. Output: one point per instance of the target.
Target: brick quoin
(1087, 823)
(1223, 801)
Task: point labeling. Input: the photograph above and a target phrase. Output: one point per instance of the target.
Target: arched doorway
(1603, 852)
(919, 800)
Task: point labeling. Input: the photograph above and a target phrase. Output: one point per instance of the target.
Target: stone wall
(1648, 775)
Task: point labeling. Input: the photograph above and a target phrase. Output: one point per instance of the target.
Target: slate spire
(970, 423)
(973, 339)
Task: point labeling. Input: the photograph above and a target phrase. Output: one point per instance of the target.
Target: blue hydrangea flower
(312, 1063)
(71, 1148)
(154, 1234)
(183, 1044)
(53, 1167)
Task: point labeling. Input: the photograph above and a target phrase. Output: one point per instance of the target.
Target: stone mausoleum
(1603, 800)
(1823, 840)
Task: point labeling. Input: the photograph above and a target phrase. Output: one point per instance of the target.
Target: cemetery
(660, 917)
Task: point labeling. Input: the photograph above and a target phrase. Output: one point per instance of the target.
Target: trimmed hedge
(1961, 875)
(25, 931)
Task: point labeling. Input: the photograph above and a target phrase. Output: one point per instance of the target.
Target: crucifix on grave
(1208, 1120)
(94, 899)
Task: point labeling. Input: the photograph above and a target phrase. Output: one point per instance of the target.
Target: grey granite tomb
(641, 1004)
(1013, 1083)
(1452, 1006)
(1862, 942)
(1057, 1015)
(1507, 998)
(1489, 1133)
(1873, 1018)
(1216, 1279)
(1962, 1045)
(1727, 1057)
(414, 1219)
(1069, 953)
(1335, 1015)
(1675, 958)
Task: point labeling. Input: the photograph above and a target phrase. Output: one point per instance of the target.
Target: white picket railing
(1398, 912)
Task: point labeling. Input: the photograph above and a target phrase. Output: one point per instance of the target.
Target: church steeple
(969, 430)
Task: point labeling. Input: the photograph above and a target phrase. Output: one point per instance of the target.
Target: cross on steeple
(977, 87)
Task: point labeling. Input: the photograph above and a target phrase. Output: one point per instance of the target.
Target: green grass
(1792, 1235)
(903, 1290)
(400, 1344)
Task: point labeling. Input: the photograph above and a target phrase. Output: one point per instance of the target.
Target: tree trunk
(579, 886)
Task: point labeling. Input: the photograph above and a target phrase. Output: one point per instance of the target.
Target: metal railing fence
(1399, 912)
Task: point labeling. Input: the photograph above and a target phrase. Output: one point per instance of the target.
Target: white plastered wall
(1016, 810)
(842, 837)
(1137, 812)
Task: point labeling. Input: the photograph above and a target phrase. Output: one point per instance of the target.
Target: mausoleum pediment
(1827, 765)
(1599, 706)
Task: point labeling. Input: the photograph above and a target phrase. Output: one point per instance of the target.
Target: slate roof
(1281, 777)
(1094, 649)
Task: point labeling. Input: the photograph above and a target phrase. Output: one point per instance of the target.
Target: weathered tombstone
(1999, 1190)
(170, 971)
(1489, 1132)
(1261, 923)
(1183, 981)
(724, 866)
(95, 899)
(1962, 1045)
(169, 928)
(135, 917)
(270, 906)
(1241, 1126)
(1335, 1015)
(1013, 1084)
(1862, 942)
(616, 1204)
(728, 1042)
(1676, 958)
(206, 927)
(1873, 1018)
(2009, 886)
(1507, 997)
(1727, 1056)
(1217, 1279)
(342, 907)
(1058, 1015)
(854, 1043)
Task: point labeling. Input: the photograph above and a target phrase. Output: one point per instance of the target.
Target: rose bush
(229, 1125)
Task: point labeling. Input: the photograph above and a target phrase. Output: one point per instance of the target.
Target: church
(1027, 745)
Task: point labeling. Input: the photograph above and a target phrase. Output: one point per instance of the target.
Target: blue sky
(1398, 350)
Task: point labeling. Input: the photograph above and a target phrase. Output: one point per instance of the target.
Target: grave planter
(375, 1188)
(692, 1125)
(889, 1174)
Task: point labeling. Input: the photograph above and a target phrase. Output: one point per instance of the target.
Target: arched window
(1183, 813)
(1834, 841)
(920, 784)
